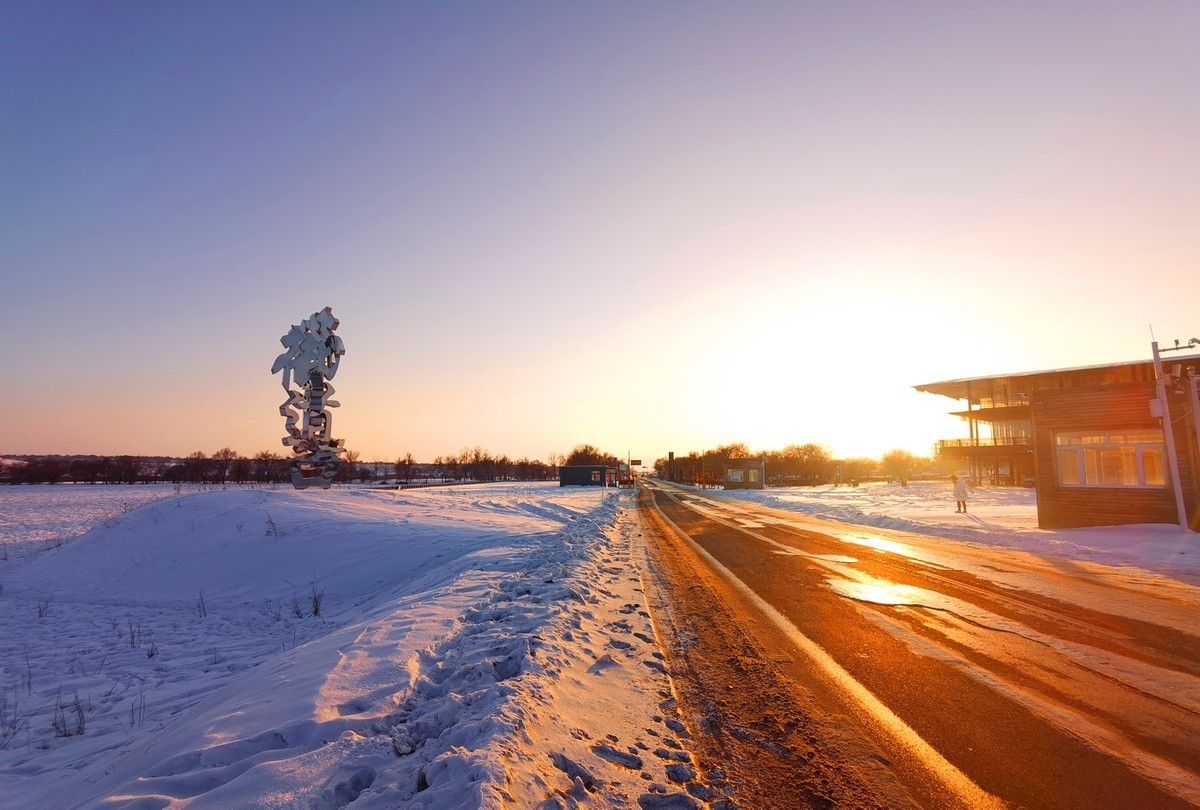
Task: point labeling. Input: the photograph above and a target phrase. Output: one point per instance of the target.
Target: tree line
(478, 464)
(222, 467)
(796, 464)
(226, 466)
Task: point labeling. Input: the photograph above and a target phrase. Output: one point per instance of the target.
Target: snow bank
(450, 648)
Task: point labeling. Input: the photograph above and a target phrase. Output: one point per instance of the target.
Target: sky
(648, 227)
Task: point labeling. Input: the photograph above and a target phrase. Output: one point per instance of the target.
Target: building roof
(958, 389)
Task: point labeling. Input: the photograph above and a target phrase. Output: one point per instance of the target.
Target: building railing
(1009, 441)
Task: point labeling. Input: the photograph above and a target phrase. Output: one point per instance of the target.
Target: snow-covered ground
(32, 517)
(461, 647)
(172, 656)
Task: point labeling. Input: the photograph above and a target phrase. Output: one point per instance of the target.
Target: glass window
(735, 476)
(1154, 472)
(1081, 438)
(1130, 458)
(1068, 467)
(1091, 467)
(752, 475)
(1118, 467)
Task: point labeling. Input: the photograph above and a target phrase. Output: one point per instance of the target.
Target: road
(826, 665)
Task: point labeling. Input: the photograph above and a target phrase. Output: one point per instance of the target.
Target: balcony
(1010, 441)
(985, 448)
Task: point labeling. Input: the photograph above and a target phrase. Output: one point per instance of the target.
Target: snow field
(32, 517)
(472, 648)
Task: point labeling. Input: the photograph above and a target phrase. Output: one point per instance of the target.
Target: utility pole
(1164, 406)
(1194, 384)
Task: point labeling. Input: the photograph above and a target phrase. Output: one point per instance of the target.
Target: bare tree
(857, 469)
(349, 465)
(587, 455)
(800, 463)
(220, 464)
(404, 466)
(240, 470)
(479, 462)
(197, 467)
(269, 467)
(898, 464)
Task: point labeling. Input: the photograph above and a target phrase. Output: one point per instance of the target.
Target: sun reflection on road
(880, 544)
(878, 591)
(835, 558)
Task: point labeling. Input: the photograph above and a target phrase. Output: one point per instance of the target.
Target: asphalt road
(833, 665)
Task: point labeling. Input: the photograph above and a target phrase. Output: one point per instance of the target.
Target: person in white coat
(960, 493)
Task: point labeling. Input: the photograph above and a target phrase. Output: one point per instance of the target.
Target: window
(1153, 467)
(735, 476)
(1068, 467)
(596, 476)
(1127, 458)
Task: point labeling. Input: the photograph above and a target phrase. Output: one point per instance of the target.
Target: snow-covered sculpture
(310, 359)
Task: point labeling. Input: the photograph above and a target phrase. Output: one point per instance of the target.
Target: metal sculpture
(311, 354)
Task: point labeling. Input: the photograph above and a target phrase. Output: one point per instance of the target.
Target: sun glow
(880, 593)
(819, 362)
(881, 544)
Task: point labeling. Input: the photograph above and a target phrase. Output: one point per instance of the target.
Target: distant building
(1089, 439)
(744, 473)
(587, 475)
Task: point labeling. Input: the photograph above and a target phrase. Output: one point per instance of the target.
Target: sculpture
(311, 354)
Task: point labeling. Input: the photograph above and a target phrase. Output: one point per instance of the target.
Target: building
(587, 475)
(745, 473)
(1092, 440)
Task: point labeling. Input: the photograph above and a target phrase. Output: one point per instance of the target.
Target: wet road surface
(837, 665)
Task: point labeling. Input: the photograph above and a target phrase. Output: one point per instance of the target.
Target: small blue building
(587, 475)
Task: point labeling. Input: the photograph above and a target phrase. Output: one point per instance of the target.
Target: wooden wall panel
(1110, 407)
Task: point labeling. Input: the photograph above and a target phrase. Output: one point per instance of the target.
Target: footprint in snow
(667, 801)
(604, 662)
(610, 754)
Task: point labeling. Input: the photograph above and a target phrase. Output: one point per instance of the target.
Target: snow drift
(438, 648)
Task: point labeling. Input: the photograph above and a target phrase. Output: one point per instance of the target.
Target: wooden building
(745, 473)
(1092, 440)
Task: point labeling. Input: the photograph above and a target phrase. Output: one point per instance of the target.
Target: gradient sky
(645, 226)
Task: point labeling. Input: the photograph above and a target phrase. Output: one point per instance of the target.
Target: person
(960, 493)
